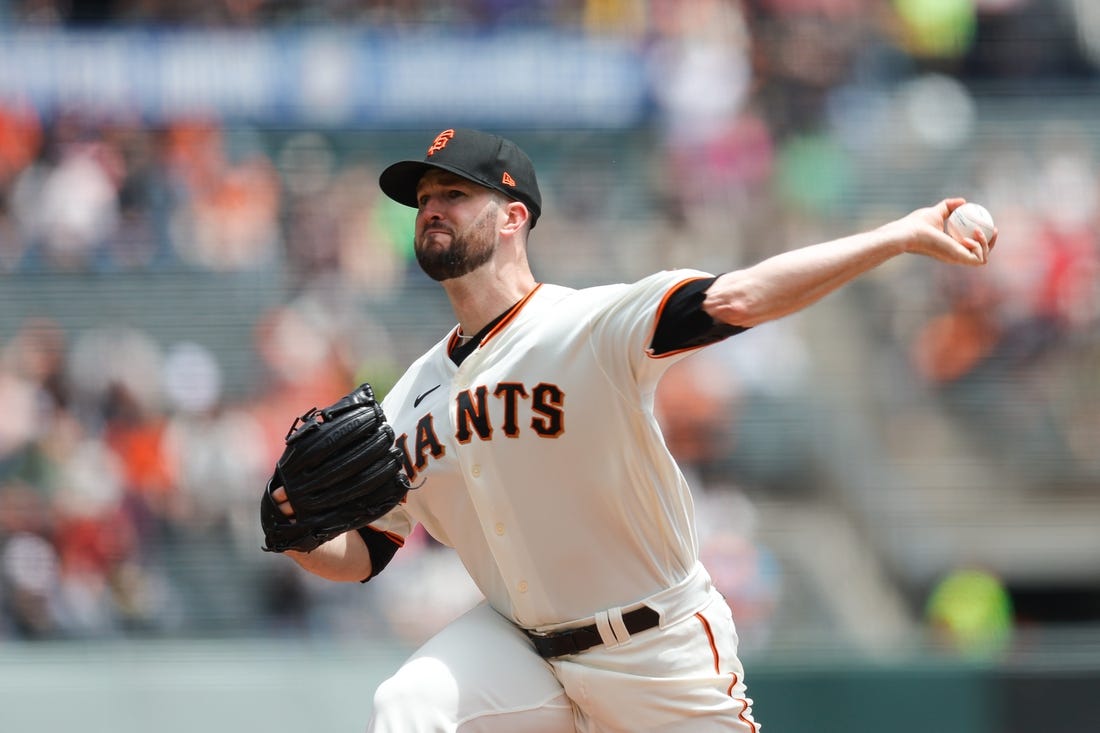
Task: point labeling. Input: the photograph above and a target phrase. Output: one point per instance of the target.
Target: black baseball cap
(486, 159)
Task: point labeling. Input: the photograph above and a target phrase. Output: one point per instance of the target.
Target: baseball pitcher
(525, 440)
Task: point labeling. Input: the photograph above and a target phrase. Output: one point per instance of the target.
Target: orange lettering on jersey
(440, 142)
(547, 400)
(508, 180)
(426, 442)
(510, 392)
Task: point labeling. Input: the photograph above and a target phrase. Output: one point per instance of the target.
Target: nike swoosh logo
(418, 400)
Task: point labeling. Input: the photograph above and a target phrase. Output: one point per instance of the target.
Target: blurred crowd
(84, 195)
(130, 474)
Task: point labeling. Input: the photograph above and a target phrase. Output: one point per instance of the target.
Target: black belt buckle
(574, 641)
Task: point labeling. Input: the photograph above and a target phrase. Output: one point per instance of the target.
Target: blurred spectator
(339, 226)
(802, 49)
(215, 452)
(67, 203)
(745, 571)
(697, 404)
(20, 139)
(701, 70)
(985, 367)
(955, 343)
(20, 428)
(142, 240)
(30, 577)
(229, 215)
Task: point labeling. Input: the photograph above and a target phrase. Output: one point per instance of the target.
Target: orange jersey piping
(512, 313)
(742, 715)
(660, 311)
(452, 342)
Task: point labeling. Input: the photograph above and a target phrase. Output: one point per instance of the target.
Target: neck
(484, 294)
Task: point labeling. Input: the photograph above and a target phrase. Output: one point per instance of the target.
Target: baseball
(968, 217)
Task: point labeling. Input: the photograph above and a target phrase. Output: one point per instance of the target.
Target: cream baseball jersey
(539, 457)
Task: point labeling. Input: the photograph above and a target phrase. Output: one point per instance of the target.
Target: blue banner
(329, 77)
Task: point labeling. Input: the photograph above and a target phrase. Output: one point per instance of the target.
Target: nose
(428, 216)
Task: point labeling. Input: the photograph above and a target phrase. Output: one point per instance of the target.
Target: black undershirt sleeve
(381, 549)
(684, 324)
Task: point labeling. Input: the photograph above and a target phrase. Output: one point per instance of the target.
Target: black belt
(574, 641)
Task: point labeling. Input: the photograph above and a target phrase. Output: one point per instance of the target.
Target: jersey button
(500, 528)
(475, 470)
(522, 586)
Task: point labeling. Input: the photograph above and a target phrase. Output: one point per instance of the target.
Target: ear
(518, 217)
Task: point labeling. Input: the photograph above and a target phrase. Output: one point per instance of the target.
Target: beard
(470, 249)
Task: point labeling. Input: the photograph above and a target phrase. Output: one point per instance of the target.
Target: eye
(455, 193)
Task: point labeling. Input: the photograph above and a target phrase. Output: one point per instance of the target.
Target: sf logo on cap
(440, 142)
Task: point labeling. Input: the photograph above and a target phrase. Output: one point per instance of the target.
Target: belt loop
(607, 633)
(618, 627)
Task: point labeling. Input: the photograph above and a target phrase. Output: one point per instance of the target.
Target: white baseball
(968, 217)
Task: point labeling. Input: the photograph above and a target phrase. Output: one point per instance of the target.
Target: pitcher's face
(456, 225)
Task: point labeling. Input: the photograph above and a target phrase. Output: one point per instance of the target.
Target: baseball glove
(340, 470)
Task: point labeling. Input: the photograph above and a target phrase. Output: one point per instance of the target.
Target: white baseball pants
(481, 675)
